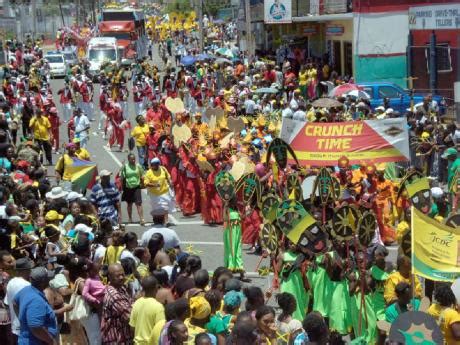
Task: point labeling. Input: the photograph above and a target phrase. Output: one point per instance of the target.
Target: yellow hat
(52, 215)
(418, 185)
(260, 121)
(199, 308)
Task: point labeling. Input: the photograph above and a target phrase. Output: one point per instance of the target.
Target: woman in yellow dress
(303, 78)
(312, 81)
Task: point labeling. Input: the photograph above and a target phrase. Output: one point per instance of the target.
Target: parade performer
(55, 122)
(294, 279)
(384, 206)
(191, 198)
(115, 117)
(65, 98)
(104, 106)
(158, 183)
(140, 133)
(311, 81)
(212, 213)
(233, 257)
(138, 98)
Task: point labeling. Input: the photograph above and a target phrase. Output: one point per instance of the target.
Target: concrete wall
(381, 52)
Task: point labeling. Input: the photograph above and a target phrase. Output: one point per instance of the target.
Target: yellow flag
(435, 248)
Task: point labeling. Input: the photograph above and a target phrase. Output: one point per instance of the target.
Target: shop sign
(334, 30)
(277, 11)
(308, 30)
(435, 17)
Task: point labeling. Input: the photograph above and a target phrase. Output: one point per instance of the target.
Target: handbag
(80, 309)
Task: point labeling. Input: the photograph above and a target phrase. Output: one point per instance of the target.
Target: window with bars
(443, 57)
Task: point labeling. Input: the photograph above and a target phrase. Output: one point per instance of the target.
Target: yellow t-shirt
(145, 314)
(193, 331)
(156, 332)
(140, 133)
(158, 181)
(62, 164)
(448, 317)
(435, 310)
(40, 127)
(394, 279)
(83, 154)
(303, 78)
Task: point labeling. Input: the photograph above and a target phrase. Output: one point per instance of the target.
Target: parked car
(56, 61)
(70, 58)
(399, 97)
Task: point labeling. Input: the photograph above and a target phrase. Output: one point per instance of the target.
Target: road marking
(117, 161)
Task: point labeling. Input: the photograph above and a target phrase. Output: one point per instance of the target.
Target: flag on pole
(83, 173)
(435, 248)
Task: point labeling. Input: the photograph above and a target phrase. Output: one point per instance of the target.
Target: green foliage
(178, 6)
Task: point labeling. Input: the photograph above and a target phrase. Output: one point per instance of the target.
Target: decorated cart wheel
(269, 237)
(453, 220)
(366, 228)
(293, 184)
(406, 244)
(269, 205)
(336, 188)
(343, 223)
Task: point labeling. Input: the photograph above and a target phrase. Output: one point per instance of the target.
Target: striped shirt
(106, 199)
(116, 309)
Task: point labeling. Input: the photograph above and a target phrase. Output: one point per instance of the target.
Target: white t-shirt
(81, 123)
(170, 236)
(14, 286)
(99, 253)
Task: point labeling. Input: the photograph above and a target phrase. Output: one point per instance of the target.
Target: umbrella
(225, 52)
(202, 57)
(327, 103)
(187, 60)
(266, 90)
(358, 94)
(222, 61)
(341, 89)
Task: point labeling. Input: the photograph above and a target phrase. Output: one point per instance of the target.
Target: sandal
(142, 222)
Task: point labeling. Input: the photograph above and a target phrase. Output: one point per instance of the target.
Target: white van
(101, 49)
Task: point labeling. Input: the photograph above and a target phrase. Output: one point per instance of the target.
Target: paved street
(195, 236)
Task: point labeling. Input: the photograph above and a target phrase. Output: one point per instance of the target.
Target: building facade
(378, 40)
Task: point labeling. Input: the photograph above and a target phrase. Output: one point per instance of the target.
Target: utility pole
(199, 9)
(457, 84)
(249, 45)
(34, 18)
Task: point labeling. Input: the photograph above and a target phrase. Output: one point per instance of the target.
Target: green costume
(378, 301)
(338, 301)
(320, 285)
(292, 282)
(368, 320)
(233, 257)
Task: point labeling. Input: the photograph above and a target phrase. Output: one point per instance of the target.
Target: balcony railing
(301, 8)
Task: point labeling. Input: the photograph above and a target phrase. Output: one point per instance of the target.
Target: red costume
(115, 117)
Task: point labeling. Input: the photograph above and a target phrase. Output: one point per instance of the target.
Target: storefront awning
(323, 18)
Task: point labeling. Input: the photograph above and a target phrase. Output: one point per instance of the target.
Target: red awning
(116, 25)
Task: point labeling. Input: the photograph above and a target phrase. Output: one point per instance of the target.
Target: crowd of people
(71, 272)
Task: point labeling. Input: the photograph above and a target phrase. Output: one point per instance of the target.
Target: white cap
(72, 196)
(382, 108)
(436, 192)
(389, 111)
(83, 228)
(104, 172)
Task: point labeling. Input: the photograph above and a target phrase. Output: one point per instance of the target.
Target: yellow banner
(435, 248)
